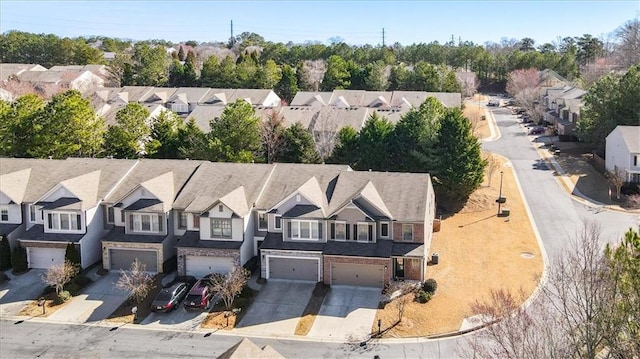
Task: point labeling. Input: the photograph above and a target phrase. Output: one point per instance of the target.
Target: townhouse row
(303, 222)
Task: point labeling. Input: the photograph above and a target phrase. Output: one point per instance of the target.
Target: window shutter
(79, 224)
(333, 230)
(355, 232)
(131, 222)
(160, 223)
(320, 230)
(370, 233)
(348, 231)
(288, 229)
(49, 219)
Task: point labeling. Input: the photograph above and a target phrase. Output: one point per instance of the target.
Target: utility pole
(383, 37)
(232, 39)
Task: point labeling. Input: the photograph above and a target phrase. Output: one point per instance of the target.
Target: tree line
(429, 138)
(250, 61)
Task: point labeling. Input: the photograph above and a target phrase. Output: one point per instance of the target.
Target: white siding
(13, 210)
(237, 224)
(90, 244)
(617, 153)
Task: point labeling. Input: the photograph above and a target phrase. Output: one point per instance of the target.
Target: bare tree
(628, 50)
(59, 275)
(592, 72)
(617, 178)
(574, 316)
(523, 86)
(230, 285)
(400, 291)
(272, 131)
(581, 293)
(324, 127)
(493, 163)
(511, 331)
(136, 281)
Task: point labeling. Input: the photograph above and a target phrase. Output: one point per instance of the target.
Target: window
(339, 231)
(64, 221)
(263, 219)
(384, 229)
(220, 228)
(182, 220)
(407, 232)
(4, 214)
(635, 160)
(196, 221)
(110, 215)
(307, 230)
(122, 216)
(277, 222)
(220, 208)
(363, 232)
(142, 222)
(32, 213)
(179, 108)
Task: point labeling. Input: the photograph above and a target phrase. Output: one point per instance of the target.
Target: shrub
(430, 286)
(64, 296)
(4, 277)
(423, 296)
(71, 254)
(5, 253)
(630, 189)
(77, 283)
(19, 259)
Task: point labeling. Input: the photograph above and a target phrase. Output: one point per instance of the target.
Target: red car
(199, 296)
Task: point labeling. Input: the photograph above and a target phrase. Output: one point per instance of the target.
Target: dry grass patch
(51, 306)
(474, 112)
(218, 320)
(479, 251)
(311, 310)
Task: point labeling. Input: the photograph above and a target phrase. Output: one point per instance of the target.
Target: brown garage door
(122, 259)
(362, 275)
(293, 268)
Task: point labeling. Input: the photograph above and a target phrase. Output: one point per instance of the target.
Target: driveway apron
(19, 291)
(347, 313)
(277, 308)
(95, 303)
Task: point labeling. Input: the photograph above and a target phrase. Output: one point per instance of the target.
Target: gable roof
(14, 184)
(189, 94)
(402, 195)
(246, 349)
(631, 137)
(213, 182)
(309, 98)
(203, 114)
(287, 178)
(8, 70)
(153, 174)
(137, 93)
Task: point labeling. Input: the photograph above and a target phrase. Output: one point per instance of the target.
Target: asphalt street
(556, 215)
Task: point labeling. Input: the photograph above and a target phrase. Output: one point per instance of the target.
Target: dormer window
(4, 214)
(64, 221)
(263, 221)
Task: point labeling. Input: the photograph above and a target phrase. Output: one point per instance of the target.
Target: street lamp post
(500, 195)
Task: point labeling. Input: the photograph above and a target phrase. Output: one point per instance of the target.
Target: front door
(399, 268)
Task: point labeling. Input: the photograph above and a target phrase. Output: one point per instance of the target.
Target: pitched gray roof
(137, 93)
(191, 239)
(36, 233)
(192, 94)
(117, 234)
(381, 248)
(309, 98)
(288, 177)
(212, 181)
(203, 114)
(46, 174)
(404, 194)
(298, 114)
(146, 170)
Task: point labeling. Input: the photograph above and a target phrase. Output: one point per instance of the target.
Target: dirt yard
(478, 251)
(474, 112)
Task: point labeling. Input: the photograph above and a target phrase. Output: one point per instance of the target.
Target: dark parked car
(199, 296)
(168, 298)
(537, 131)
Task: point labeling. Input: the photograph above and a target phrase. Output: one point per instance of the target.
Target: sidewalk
(578, 176)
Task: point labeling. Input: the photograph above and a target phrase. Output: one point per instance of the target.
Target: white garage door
(199, 266)
(44, 258)
(122, 259)
(293, 268)
(361, 275)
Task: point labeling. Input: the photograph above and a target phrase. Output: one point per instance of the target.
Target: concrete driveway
(19, 291)
(178, 319)
(347, 313)
(95, 303)
(277, 308)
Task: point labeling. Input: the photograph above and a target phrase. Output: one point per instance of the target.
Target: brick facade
(327, 260)
(27, 244)
(418, 232)
(204, 252)
(413, 268)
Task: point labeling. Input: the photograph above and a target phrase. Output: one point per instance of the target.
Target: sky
(354, 22)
